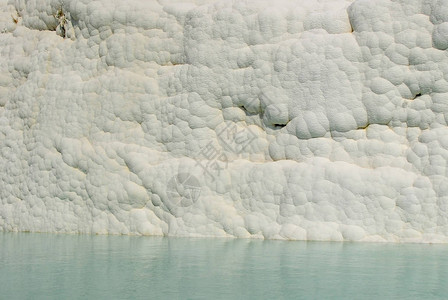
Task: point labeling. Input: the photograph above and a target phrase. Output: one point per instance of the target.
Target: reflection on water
(46, 266)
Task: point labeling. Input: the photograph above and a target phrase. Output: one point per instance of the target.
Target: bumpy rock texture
(317, 120)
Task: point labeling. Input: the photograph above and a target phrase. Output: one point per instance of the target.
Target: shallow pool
(49, 266)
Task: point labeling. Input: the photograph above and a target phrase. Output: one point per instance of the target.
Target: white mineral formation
(292, 119)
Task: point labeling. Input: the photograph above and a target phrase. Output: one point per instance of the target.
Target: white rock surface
(307, 120)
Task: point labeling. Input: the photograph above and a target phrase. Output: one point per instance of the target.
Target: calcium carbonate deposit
(291, 119)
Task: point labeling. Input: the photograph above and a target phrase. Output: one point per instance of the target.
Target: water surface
(50, 266)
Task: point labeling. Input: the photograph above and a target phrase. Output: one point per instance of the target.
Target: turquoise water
(46, 266)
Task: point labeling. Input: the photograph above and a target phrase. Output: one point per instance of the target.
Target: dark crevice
(364, 127)
(278, 126)
(247, 112)
(274, 126)
(417, 95)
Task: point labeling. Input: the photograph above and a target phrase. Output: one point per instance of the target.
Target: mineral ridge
(302, 120)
